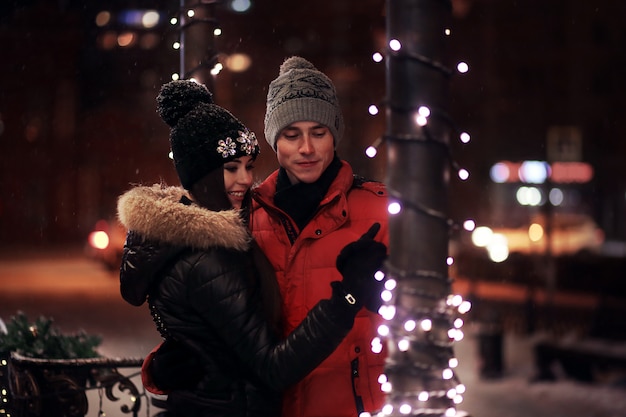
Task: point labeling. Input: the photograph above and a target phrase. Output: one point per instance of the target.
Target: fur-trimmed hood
(160, 213)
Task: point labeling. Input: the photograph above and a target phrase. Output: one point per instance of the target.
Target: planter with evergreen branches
(44, 372)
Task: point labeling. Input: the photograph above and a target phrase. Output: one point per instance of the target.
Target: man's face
(305, 150)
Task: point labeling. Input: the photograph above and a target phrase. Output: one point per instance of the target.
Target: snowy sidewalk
(513, 395)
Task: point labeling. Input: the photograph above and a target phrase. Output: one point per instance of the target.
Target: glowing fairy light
(371, 151)
(457, 300)
(386, 295)
(176, 45)
(394, 208)
(464, 137)
(447, 32)
(395, 45)
(383, 330)
(421, 120)
(387, 312)
(456, 334)
(449, 260)
(390, 284)
(469, 225)
(462, 67)
(458, 322)
(377, 57)
(451, 393)
(173, 21)
(387, 409)
(216, 69)
(426, 325)
(405, 409)
(379, 276)
(450, 412)
(382, 378)
(404, 345)
(376, 345)
(447, 373)
(460, 388)
(423, 396)
(191, 13)
(463, 174)
(453, 362)
(464, 307)
(410, 325)
(217, 32)
(423, 111)
(373, 109)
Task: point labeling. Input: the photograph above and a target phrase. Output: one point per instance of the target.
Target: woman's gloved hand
(358, 262)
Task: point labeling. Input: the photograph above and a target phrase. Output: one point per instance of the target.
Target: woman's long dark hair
(209, 192)
(271, 299)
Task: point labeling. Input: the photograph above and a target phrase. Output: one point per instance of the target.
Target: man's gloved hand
(358, 262)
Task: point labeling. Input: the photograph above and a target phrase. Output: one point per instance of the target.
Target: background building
(77, 110)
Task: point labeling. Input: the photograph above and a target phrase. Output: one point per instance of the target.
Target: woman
(209, 288)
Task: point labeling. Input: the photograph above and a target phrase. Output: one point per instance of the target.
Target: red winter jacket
(347, 381)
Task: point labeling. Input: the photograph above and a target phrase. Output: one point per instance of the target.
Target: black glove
(358, 262)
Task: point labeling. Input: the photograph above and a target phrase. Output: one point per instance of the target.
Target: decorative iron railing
(59, 387)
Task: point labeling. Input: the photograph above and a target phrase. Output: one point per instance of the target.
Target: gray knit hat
(203, 135)
(301, 93)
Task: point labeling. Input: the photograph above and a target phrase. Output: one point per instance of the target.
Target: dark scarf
(300, 201)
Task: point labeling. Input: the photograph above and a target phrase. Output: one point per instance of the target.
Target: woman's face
(238, 179)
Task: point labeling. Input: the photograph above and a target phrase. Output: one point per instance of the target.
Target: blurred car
(105, 243)
(569, 234)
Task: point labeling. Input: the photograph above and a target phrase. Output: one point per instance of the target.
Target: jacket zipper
(358, 400)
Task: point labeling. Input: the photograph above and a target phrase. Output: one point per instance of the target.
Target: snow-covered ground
(513, 395)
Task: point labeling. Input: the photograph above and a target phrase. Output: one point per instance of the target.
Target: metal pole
(420, 344)
(182, 38)
(198, 54)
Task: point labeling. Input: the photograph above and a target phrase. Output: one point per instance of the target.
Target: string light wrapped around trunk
(423, 318)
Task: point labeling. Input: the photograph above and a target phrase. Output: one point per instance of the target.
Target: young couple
(266, 297)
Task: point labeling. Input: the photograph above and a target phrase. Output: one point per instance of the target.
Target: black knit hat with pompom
(203, 135)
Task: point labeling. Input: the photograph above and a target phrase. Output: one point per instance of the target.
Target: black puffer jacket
(203, 293)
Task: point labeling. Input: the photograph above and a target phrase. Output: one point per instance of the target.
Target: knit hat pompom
(203, 135)
(295, 62)
(178, 98)
(301, 93)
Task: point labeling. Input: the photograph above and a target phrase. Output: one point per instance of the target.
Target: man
(304, 213)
